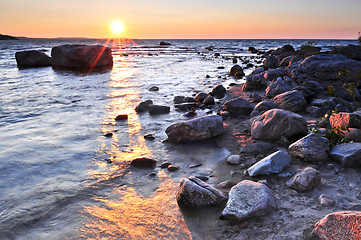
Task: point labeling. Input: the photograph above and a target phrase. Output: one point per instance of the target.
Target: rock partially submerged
(33, 58)
(273, 163)
(311, 148)
(339, 225)
(195, 129)
(143, 162)
(194, 192)
(275, 123)
(81, 57)
(248, 199)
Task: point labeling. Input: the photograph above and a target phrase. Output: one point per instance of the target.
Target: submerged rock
(158, 109)
(275, 123)
(273, 163)
(248, 199)
(194, 192)
(339, 225)
(33, 58)
(311, 148)
(305, 180)
(143, 106)
(195, 129)
(81, 57)
(347, 154)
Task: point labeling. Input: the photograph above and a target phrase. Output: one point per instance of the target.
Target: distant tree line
(7, 37)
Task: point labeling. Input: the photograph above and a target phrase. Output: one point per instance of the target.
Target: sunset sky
(166, 19)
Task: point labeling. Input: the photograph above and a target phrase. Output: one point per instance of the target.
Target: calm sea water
(61, 178)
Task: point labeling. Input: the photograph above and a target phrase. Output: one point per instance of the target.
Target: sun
(117, 27)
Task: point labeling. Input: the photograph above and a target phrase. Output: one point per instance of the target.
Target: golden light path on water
(123, 213)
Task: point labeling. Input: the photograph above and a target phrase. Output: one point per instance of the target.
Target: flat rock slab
(344, 225)
(275, 123)
(248, 199)
(196, 129)
(194, 192)
(273, 163)
(311, 148)
(305, 180)
(347, 154)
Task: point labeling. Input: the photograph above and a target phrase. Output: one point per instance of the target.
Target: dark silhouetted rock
(195, 129)
(164, 44)
(347, 154)
(311, 148)
(208, 101)
(238, 106)
(81, 57)
(158, 109)
(121, 117)
(275, 123)
(271, 62)
(236, 71)
(218, 91)
(179, 99)
(29, 59)
(200, 97)
(143, 162)
(339, 225)
(255, 83)
(248, 199)
(194, 192)
(305, 180)
(291, 101)
(350, 51)
(154, 89)
(252, 50)
(185, 106)
(273, 163)
(272, 74)
(144, 106)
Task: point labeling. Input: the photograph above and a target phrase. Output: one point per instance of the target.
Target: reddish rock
(339, 225)
(352, 120)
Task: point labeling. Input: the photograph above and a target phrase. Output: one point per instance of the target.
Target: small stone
(143, 162)
(165, 165)
(154, 89)
(108, 135)
(173, 168)
(233, 160)
(121, 117)
(326, 200)
(207, 76)
(149, 136)
(225, 184)
(152, 174)
(273, 163)
(195, 165)
(208, 101)
(305, 180)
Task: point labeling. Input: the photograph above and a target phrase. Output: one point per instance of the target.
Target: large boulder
(33, 58)
(273, 163)
(339, 225)
(195, 129)
(277, 87)
(291, 101)
(352, 120)
(311, 148)
(238, 106)
(347, 154)
(248, 199)
(81, 57)
(275, 123)
(262, 107)
(324, 68)
(305, 180)
(351, 51)
(194, 192)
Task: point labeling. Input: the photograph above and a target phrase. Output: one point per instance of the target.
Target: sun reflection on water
(122, 212)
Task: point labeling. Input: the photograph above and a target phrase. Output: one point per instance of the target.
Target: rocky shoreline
(293, 129)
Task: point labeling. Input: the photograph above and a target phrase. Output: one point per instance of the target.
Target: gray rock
(238, 106)
(248, 199)
(353, 134)
(311, 148)
(258, 71)
(295, 60)
(179, 99)
(256, 98)
(271, 62)
(81, 57)
(257, 147)
(272, 74)
(350, 51)
(154, 89)
(275, 123)
(347, 154)
(323, 68)
(255, 83)
(158, 109)
(233, 160)
(291, 101)
(262, 107)
(326, 200)
(339, 225)
(277, 87)
(352, 120)
(273, 163)
(195, 129)
(305, 180)
(194, 192)
(33, 58)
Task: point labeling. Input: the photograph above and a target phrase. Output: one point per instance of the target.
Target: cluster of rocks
(291, 95)
(76, 57)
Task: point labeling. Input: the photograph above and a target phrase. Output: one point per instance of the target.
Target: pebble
(326, 200)
(173, 168)
(195, 165)
(154, 89)
(233, 160)
(165, 165)
(108, 135)
(149, 136)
